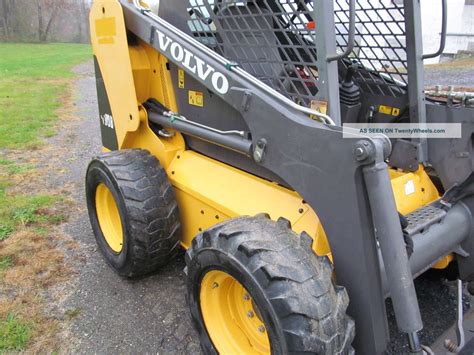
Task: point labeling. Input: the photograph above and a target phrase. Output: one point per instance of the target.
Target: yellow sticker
(196, 98)
(181, 78)
(105, 30)
(319, 106)
(386, 110)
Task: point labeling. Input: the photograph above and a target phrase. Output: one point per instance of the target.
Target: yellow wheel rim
(109, 218)
(232, 319)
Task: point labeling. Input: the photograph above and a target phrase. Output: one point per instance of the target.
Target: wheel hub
(231, 316)
(109, 218)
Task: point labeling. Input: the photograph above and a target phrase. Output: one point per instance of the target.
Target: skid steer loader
(223, 127)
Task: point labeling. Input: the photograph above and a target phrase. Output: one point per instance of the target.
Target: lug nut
(250, 314)
(215, 285)
(246, 297)
(261, 329)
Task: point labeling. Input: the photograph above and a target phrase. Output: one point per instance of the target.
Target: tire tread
(153, 215)
(298, 283)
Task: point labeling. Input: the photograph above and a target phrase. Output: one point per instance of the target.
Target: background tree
(6, 9)
(44, 20)
(47, 12)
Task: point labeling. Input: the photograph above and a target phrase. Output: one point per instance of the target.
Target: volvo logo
(193, 63)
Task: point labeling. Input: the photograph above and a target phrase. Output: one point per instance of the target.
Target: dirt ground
(113, 315)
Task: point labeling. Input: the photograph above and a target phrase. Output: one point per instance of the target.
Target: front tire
(255, 286)
(133, 211)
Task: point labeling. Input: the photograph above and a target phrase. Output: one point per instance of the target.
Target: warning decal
(196, 98)
(181, 78)
(387, 110)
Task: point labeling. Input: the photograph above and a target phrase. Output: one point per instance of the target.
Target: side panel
(109, 44)
(126, 76)
(209, 192)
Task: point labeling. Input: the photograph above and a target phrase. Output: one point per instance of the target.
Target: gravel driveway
(150, 315)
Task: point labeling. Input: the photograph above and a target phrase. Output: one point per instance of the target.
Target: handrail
(351, 38)
(444, 25)
(231, 66)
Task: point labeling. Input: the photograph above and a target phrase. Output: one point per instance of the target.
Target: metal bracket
(405, 155)
(259, 151)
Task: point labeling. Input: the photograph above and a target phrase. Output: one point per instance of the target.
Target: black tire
(147, 207)
(303, 311)
(470, 287)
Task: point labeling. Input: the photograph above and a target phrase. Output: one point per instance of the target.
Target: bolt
(362, 150)
(215, 285)
(450, 346)
(359, 152)
(257, 155)
(250, 314)
(246, 297)
(261, 329)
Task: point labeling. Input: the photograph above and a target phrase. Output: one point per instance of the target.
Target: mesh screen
(274, 40)
(380, 43)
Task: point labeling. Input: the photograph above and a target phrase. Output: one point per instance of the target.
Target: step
(422, 218)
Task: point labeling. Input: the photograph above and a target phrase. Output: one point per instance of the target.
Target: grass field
(34, 85)
(33, 81)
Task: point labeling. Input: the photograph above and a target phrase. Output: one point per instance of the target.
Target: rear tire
(290, 288)
(133, 211)
(470, 287)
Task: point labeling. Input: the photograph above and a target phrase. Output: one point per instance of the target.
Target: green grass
(41, 60)
(32, 80)
(72, 313)
(5, 262)
(13, 168)
(24, 210)
(14, 334)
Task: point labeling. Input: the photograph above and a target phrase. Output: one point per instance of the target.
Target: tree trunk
(7, 6)
(85, 15)
(40, 21)
(48, 26)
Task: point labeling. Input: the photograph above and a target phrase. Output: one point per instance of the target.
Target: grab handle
(444, 25)
(351, 39)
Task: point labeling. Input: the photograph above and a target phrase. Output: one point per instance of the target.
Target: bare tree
(7, 7)
(83, 23)
(44, 20)
(47, 12)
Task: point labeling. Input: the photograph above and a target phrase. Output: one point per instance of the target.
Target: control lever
(451, 346)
